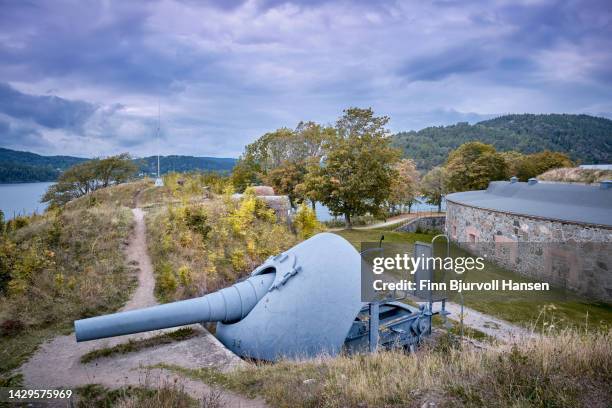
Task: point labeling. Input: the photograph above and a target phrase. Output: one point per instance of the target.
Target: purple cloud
(226, 72)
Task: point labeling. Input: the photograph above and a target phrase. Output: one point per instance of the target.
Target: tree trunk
(347, 221)
(440, 206)
(313, 203)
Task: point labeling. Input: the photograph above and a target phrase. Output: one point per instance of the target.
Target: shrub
(166, 283)
(11, 327)
(245, 233)
(17, 223)
(195, 219)
(305, 222)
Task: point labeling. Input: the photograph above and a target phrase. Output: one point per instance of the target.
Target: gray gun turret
(301, 303)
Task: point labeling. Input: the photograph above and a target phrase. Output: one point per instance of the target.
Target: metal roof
(578, 203)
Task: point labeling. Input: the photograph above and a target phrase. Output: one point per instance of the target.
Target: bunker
(559, 233)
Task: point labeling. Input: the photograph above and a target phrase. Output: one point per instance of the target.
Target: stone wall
(424, 224)
(569, 255)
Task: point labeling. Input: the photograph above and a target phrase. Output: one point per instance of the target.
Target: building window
(472, 237)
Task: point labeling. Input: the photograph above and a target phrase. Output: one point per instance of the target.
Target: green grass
(537, 310)
(137, 345)
(470, 332)
(357, 236)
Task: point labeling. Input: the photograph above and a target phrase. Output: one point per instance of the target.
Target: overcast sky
(85, 77)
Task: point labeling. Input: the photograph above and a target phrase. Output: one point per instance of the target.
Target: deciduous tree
(89, 176)
(433, 186)
(535, 164)
(282, 158)
(404, 188)
(359, 168)
(473, 165)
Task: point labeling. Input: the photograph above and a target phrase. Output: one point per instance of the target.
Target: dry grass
(163, 394)
(64, 266)
(122, 195)
(569, 369)
(576, 175)
(201, 247)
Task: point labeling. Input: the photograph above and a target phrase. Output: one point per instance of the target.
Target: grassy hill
(24, 167)
(587, 139)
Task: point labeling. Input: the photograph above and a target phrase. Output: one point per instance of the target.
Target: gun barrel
(227, 305)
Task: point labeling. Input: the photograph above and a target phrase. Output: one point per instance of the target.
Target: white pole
(158, 132)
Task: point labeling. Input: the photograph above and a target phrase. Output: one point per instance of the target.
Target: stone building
(557, 233)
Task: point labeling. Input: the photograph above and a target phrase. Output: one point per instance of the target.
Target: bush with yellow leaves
(210, 244)
(306, 223)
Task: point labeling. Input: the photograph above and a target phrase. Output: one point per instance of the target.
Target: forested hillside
(24, 167)
(586, 139)
(185, 163)
(11, 172)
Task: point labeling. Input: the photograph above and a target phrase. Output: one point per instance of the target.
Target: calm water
(22, 198)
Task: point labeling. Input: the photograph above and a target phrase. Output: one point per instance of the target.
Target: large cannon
(301, 303)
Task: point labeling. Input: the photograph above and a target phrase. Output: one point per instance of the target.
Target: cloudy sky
(85, 77)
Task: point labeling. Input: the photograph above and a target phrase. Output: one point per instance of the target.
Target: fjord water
(22, 198)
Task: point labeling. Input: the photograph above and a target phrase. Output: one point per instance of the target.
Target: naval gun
(301, 303)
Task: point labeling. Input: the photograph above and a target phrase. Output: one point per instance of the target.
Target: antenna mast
(159, 182)
(158, 133)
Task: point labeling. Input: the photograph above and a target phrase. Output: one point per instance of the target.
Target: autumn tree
(282, 158)
(404, 188)
(535, 164)
(245, 173)
(286, 177)
(434, 186)
(357, 174)
(83, 178)
(114, 169)
(473, 165)
(514, 161)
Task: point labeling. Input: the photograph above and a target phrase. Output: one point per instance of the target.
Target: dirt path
(391, 221)
(400, 218)
(57, 362)
(137, 253)
(492, 326)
